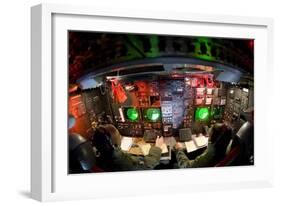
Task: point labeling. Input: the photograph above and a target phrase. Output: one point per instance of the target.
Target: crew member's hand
(159, 142)
(179, 146)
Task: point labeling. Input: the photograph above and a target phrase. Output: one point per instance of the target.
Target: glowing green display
(202, 114)
(217, 112)
(153, 114)
(132, 114)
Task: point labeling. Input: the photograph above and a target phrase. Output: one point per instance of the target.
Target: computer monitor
(132, 114)
(217, 112)
(202, 114)
(152, 114)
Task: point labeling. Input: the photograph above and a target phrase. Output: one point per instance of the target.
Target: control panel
(168, 105)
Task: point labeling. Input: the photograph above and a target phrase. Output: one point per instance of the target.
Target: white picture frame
(49, 178)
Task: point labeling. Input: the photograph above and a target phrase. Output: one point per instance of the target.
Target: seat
(82, 158)
(241, 148)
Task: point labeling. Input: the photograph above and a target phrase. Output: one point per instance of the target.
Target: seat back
(230, 158)
(241, 148)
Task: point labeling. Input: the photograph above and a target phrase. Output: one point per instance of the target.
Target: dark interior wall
(92, 51)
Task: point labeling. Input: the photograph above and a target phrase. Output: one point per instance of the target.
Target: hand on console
(159, 142)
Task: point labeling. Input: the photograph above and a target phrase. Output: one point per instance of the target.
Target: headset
(223, 130)
(102, 141)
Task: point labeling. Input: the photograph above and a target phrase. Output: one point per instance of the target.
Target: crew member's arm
(153, 157)
(126, 161)
(204, 160)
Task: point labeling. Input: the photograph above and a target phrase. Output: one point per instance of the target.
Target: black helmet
(102, 142)
(220, 136)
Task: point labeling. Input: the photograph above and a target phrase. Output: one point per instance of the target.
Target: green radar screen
(202, 114)
(152, 114)
(132, 114)
(217, 112)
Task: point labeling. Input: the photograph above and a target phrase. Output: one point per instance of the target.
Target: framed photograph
(129, 102)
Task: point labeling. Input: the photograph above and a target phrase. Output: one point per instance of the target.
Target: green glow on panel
(154, 51)
(198, 53)
(202, 114)
(132, 114)
(153, 114)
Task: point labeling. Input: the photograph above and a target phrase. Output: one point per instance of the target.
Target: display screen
(217, 112)
(202, 114)
(152, 114)
(131, 113)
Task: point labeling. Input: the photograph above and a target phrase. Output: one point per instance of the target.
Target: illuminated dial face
(153, 114)
(202, 114)
(132, 114)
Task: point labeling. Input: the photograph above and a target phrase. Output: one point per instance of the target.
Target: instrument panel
(166, 105)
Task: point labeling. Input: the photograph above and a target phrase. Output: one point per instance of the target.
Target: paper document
(201, 141)
(126, 143)
(164, 148)
(145, 148)
(190, 146)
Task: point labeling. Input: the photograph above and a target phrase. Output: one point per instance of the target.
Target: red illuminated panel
(76, 106)
(200, 91)
(194, 82)
(142, 87)
(118, 91)
(209, 81)
(77, 109)
(199, 100)
(201, 82)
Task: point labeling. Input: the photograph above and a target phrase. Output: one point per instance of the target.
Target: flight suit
(207, 159)
(122, 161)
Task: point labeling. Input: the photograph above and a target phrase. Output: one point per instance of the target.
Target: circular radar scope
(202, 114)
(153, 114)
(132, 114)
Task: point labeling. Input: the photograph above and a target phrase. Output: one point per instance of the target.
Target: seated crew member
(244, 139)
(219, 138)
(107, 141)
